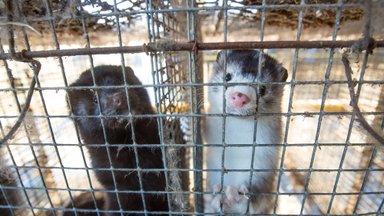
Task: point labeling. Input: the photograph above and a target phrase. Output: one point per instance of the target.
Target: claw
(232, 195)
(216, 188)
(186, 129)
(216, 202)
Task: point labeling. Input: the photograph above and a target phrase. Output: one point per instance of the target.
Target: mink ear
(259, 56)
(283, 73)
(221, 55)
(280, 73)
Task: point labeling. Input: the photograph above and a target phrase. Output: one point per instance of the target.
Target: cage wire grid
(176, 56)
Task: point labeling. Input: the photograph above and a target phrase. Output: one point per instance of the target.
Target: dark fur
(118, 131)
(8, 196)
(85, 201)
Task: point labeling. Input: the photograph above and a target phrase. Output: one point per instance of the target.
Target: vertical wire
(3, 192)
(161, 121)
(340, 167)
(106, 144)
(100, 116)
(321, 113)
(172, 79)
(357, 95)
(30, 142)
(157, 90)
(365, 179)
(135, 145)
(198, 79)
(380, 208)
(223, 126)
(290, 105)
(14, 93)
(254, 141)
(87, 167)
(173, 93)
(151, 36)
(196, 151)
(55, 39)
(161, 100)
(80, 144)
(196, 198)
(182, 74)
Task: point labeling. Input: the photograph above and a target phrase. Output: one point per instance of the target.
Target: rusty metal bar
(190, 46)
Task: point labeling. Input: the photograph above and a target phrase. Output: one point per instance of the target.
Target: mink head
(248, 89)
(108, 100)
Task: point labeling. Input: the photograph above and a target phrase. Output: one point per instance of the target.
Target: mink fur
(236, 191)
(8, 196)
(118, 130)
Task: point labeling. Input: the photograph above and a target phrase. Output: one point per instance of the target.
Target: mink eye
(94, 99)
(228, 77)
(262, 90)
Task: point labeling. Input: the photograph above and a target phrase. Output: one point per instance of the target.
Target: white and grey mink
(238, 194)
(118, 134)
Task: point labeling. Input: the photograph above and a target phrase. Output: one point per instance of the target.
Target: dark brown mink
(118, 130)
(8, 196)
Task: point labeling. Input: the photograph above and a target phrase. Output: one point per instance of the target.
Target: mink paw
(185, 126)
(231, 195)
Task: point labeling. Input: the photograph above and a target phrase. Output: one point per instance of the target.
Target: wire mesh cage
(152, 154)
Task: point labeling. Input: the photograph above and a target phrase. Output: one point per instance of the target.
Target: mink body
(118, 130)
(244, 191)
(85, 201)
(8, 196)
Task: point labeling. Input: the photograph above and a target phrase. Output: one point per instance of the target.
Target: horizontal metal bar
(188, 46)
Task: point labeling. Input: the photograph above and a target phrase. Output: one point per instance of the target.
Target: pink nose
(239, 99)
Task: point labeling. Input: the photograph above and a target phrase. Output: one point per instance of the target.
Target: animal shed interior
(327, 163)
